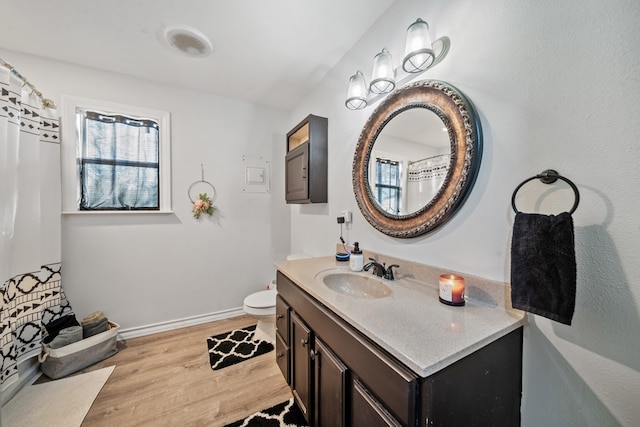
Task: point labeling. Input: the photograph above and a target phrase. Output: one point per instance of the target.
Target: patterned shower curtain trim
(425, 177)
(29, 301)
(432, 168)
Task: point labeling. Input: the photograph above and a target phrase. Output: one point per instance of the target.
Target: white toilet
(262, 305)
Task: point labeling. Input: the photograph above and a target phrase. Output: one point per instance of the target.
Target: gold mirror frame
(463, 125)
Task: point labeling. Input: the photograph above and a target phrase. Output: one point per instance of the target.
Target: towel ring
(548, 176)
(212, 197)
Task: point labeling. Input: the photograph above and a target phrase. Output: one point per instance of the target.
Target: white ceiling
(271, 52)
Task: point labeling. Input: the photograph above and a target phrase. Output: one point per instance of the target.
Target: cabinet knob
(304, 342)
(279, 355)
(313, 354)
(280, 316)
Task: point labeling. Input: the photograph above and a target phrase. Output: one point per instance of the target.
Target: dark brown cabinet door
(367, 411)
(301, 365)
(296, 174)
(331, 376)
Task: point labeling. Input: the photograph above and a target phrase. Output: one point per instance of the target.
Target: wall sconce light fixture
(383, 74)
(420, 55)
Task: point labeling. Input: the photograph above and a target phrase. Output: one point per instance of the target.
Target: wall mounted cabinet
(306, 162)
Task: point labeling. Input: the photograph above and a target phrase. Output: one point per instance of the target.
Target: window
(115, 158)
(118, 158)
(388, 185)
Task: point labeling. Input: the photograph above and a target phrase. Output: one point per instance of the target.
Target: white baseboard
(140, 331)
(28, 372)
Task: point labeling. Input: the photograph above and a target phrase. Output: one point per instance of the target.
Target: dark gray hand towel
(54, 327)
(67, 336)
(95, 327)
(543, 265)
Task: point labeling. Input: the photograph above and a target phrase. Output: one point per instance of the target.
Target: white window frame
(69, 153)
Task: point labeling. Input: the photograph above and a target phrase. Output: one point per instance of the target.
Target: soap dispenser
(356, 262)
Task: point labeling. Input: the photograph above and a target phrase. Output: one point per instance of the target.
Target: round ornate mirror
(417, 158)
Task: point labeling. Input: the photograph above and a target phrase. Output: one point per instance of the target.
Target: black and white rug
(285, 414)
(236, 346)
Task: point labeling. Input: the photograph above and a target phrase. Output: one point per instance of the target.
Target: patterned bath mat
(232, 347)
(285, 414)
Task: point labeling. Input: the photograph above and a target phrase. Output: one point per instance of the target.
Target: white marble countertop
(411, 323)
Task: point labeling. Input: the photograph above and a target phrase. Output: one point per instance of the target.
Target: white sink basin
(356, 285)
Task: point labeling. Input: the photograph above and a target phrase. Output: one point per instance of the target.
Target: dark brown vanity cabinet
(306, 162)
(340, 378)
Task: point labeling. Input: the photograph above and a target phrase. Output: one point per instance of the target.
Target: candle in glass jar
(451, 289)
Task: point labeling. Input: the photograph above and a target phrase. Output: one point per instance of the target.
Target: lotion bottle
(356, 261)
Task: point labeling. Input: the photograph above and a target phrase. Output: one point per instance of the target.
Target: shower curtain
(424, 180)
(30, 209)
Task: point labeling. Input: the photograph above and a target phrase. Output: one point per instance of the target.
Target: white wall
(145, 269)
(556, 86)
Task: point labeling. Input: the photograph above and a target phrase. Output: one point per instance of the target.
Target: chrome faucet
(379, 269)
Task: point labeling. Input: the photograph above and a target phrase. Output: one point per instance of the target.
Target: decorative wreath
(203, 205)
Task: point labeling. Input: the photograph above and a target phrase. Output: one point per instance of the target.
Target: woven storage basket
(60, 362)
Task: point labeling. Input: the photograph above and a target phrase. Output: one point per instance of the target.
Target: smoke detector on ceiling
(187, 41)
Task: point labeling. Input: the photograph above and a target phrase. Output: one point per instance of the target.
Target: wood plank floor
(165, 380)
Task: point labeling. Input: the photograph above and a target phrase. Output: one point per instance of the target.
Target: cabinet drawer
(282, 319)
(282, 357)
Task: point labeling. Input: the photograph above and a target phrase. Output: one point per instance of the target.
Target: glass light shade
(418, 52)
(382, 77)
(357, 93)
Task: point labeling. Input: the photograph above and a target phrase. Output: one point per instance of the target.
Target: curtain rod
(46, 102)
(427, 158)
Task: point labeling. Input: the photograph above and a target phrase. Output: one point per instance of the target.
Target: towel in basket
(59, 362)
